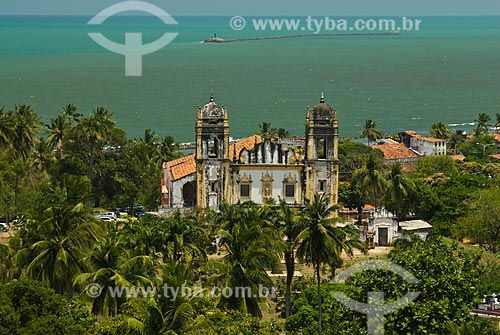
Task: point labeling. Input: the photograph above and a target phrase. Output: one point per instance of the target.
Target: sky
(265, 7)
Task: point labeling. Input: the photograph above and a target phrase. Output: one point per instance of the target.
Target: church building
(258, 168)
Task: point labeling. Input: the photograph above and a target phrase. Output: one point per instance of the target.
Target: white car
(111, 215)
(106, 218)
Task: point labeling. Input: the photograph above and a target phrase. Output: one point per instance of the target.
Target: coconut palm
(26, 126)
(56, 134)
(113, 269)
(64, 234)
(371, 132)
(266, 130)
(440, 130)
(370, 179)
(482, 124)
(6, 127)
(70, 112)
(282, 133)
(455, 140)
(397, 189)
(250, 247)
(150, 137)
(317, 243)
(290, 224)
(346, 240)
(167, 150)
(42, 155)
(95, 128)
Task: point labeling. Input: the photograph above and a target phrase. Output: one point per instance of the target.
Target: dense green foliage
(121, 172)
(448, 282)
(51, 176)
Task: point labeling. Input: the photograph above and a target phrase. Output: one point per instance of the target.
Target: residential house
(395, 152)
(424, 146)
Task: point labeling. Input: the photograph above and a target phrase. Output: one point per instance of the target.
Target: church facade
(258, 168)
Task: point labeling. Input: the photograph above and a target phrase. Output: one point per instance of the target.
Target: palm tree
(96, 127)
(42, 155)
(440, 130)
(150, 137)
(26, 126)
(183, 240)
(6, 127)
(282, 133)
(168, 149)
(397, 189)
(64, 234)
(251, 246)
(455, 140)
(70, 112)
(346, 240)
(291, 226)
(57, 132)
(482, 124)
(370, 180)
(178, 311)
(112, 268)
(317, 243)
(266, 130)
(371, 132)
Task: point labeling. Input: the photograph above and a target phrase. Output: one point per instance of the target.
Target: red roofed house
(256, 168)
(424, 146)
(395, 152)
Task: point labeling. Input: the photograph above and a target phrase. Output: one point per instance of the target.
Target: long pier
(221, 40)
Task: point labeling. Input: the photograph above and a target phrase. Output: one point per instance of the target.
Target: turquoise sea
(448, 71)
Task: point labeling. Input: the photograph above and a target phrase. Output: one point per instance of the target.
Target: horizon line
(253, 15)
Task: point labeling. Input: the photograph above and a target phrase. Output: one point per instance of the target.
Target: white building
(424, 146)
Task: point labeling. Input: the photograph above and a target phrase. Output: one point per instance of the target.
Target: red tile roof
(458, 157)
(183, 167)
(180, 168)
(247, 144)
(496, 136)
(496, 156)
(395, 151)
(414, 134)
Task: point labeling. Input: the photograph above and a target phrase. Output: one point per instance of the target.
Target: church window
(322, 185)
(244, 191)
(214, 149)
(321, 149)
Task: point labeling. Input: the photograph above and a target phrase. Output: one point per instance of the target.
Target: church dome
(212, 110)
(323, 110)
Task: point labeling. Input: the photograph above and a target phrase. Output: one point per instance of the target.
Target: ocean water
(448, 71)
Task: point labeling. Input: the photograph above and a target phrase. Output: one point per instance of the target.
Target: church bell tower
(321, 160)
(212, 155)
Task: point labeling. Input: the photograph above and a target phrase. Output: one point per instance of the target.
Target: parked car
(120, 212)
(139, 210)
(111, 214)
(106, 218)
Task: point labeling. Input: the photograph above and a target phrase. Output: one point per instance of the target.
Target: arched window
(214, 148)
(321, 149)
